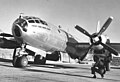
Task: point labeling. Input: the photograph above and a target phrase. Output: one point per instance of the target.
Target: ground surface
(53, 72)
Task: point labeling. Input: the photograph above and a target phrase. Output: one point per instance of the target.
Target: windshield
(35, 20)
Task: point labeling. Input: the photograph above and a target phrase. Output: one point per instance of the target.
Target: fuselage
(40, 34)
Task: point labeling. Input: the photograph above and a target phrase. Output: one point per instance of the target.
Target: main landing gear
(21, 61)
(39, 60)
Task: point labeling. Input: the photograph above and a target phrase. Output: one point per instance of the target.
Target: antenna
(21, 14)
(59, 26)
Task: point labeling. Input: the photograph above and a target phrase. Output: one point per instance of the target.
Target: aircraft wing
(8, 41)
(79, 45)
(6, 35)
(9, 44)
(83, 45)
(115, 46)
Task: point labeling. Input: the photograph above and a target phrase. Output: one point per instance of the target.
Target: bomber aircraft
(35, 32)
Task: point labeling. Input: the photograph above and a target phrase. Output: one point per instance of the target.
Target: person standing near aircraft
(99, 65)
(108, 59)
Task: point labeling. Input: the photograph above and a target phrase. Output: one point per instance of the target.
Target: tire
(39, 60)
(20, 61)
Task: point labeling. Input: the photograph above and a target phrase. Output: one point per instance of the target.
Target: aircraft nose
(17, 31)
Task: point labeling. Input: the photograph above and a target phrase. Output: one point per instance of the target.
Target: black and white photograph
(59, 41)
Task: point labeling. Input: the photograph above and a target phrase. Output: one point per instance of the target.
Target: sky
(67, 13)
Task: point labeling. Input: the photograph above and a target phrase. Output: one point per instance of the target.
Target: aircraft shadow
(5, 60)
(58, 66)
(46, 66)
(34, 70)
(54, 66)
(115, 67)
(6, 65)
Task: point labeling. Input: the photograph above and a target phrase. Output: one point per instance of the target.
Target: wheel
(20, 61)
(39, 60)
(23, 61)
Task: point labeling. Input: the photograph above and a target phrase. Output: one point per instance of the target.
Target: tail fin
(98, 27)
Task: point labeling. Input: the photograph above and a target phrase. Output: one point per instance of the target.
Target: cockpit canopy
(24, 21)
(31, 19)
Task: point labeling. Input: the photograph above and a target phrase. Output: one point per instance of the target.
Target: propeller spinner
(96, 38)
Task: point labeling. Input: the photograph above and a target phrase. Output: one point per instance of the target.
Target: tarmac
(54, 72)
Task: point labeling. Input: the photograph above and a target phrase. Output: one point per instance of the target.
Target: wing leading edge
(9, 43)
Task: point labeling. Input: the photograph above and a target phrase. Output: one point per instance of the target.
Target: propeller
(105, 26)
(112, 50)
(83, 31)
(96, 38)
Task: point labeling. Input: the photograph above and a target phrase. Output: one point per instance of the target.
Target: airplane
(39, 34)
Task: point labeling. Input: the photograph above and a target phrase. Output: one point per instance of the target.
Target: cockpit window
(43, 22)
(37, 21)
(31, 21)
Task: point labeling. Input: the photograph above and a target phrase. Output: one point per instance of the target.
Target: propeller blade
(86, 52)
(105, 26)
(6, 35)
(82, 30)
(110, 49)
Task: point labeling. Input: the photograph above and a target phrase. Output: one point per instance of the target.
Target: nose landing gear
(19, 60)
